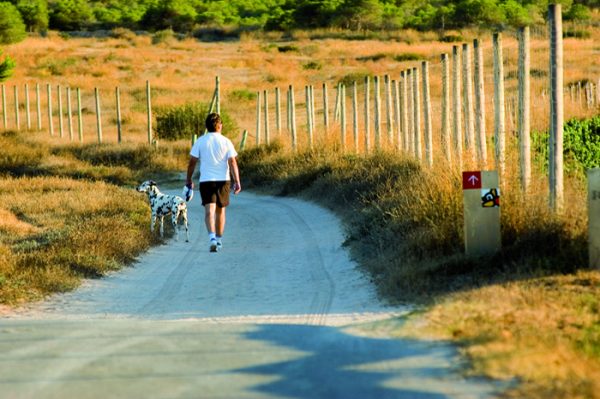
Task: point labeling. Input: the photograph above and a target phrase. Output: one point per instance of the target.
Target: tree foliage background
(186, 16)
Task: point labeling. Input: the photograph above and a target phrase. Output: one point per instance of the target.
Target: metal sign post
(481, 204)
(594, 216)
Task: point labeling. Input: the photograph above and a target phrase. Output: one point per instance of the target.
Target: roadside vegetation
(71, 212)
(532, 311)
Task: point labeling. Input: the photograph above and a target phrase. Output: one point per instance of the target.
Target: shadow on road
(336, 364)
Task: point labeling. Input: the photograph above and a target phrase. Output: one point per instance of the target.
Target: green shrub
(312, 65)
(452, 39)
(287, 48)
(577, 34)
(358, 77)
(374, 57)
(408, 57)
(183, 122)
(12, 28)
(581, 146)
(242, 95)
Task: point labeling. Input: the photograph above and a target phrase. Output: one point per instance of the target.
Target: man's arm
(190, 171)
(233, 167)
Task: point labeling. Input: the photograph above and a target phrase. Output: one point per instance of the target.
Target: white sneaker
(213, 246)
(219, 245)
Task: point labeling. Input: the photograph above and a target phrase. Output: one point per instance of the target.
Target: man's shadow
(334, 364)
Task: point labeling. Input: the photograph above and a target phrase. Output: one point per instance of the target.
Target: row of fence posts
(462, 115)
(69, 111)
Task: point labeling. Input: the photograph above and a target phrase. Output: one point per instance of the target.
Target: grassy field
(531, 312)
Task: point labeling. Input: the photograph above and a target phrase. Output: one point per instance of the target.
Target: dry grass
(54, 233)
(184, 71)
(528, 314)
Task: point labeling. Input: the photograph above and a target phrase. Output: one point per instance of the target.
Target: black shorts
(215, 192)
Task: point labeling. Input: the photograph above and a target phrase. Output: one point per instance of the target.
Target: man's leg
(220, 220)
(209, 217)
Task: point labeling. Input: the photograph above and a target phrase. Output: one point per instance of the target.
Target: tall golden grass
(408, 233)
(184, 71)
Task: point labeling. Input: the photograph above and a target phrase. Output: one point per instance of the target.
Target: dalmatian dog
(164, 204)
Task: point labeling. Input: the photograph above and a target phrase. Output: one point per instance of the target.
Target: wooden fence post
(149, 111)
(293, 117)
(266, 111)
(410, 144)
(404, 109)
(244, 138)
(336, 107)
(343, 116)
(480, 129)
(355, 115)
(377, 113)
(311, 92)
(218, 94)
(258, 116)
(396, 97)
(499, 129)
(98, 115)
(468, 101)
(417, 114)
(60, 111)
(309, 123)
(38, 106)
(325, 107)
(27, 110)
(118, 104)
(524, 107)
(427, 113)
(79, 116)
(367, 116)
(278, 111)
(456, 106)
(4, 116)
(69, 114)
(388, 110)
(446, 146)
(556, 108)
(289, 111)
(17, 119)
(50, 124)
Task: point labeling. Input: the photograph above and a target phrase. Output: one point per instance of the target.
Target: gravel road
(280, 312)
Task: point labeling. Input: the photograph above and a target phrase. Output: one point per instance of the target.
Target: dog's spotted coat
(164, 204)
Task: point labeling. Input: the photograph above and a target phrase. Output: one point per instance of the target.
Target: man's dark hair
(211, 122)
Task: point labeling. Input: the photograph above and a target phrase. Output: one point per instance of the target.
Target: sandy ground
(280, 312)
(282, 260)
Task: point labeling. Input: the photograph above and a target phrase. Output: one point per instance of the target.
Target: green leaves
(581, 146)
(12, 28)
(6, 67)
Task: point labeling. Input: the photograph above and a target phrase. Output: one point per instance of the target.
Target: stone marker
(481, 204)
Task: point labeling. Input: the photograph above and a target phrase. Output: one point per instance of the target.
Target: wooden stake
(556, 178)
(524, 107)
(499, 129)
(456, 108)
(446, 146)
(427, 114)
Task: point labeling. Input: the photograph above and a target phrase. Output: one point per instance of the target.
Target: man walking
(217, 163)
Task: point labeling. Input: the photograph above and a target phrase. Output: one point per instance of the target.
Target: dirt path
(274, 314)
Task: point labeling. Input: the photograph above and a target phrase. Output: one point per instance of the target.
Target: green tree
(578, 12)
(361, 14)
(12, 28)
(178, 15)
(68, 15)
(6, 68)
(34, 13)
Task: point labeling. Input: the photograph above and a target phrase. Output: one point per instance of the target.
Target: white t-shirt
(213, 150)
